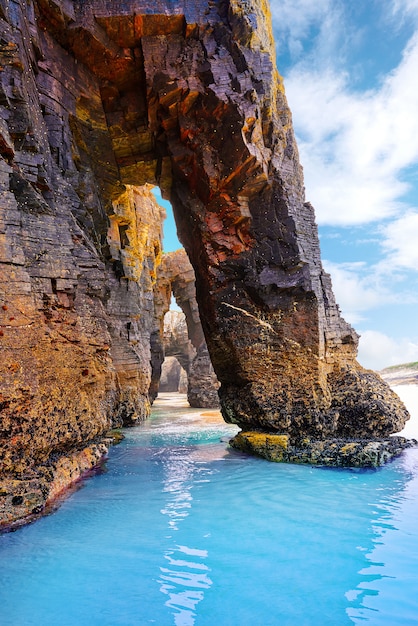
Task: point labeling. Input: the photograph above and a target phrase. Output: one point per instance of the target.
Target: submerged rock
(336, 452)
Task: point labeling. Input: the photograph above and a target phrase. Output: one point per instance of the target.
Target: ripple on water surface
(181, 530)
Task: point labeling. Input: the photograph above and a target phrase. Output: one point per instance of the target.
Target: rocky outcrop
(24, 498)
(183, 333)
(325, 452)
(203, 385)
(179, 353)
(78, 257)
(176, 339)
(99, 98)
(173, 377)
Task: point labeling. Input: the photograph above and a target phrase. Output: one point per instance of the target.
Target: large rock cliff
(99, 98)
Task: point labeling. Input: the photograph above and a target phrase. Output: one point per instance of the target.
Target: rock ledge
(25, 499)
(328, 452)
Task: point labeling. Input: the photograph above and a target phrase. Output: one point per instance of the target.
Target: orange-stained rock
(23, 499)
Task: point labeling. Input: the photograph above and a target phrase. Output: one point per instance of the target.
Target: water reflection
(184, 587)
(185, 576)
(181, 533)
(383, 596)
(177, 484)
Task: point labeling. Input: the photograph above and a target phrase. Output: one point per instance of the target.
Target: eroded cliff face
(98, 98)
(78, 254)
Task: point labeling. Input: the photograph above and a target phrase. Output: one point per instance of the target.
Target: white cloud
(293, 19)
(309, 31)
(401, 242)
(355, 146)
(359, 149)
(406, 8)
(358, 289)
(377, 350)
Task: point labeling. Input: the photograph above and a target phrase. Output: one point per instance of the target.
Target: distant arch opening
(173, 377)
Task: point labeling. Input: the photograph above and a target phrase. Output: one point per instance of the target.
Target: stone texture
(98, 98)
(203, 385)
(327, 452)
(78, 256)
(24, 499)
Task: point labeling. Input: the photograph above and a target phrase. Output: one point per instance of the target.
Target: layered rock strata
(78, 257)
(97, 98)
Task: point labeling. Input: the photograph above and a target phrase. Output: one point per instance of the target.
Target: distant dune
(409, 395)
(405, 374)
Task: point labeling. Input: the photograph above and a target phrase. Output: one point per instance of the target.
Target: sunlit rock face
(97, 98)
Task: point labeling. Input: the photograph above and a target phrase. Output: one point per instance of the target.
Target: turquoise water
(180, 530)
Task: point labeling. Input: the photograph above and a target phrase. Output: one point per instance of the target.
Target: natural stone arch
(193, 100)
(173, 377)
(98, 99)
(176, 339)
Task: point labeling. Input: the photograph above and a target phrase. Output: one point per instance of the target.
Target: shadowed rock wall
(98, 97)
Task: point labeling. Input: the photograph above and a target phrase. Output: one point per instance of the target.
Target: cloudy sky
(351, 76)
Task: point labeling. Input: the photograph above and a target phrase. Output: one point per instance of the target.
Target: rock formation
(176, 339)
(173, 376)
(175, 276)
(99, 98)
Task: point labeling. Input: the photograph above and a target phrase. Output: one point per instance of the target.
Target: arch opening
(222, 149)
(180, 331)
(173, 377)
(101, 101)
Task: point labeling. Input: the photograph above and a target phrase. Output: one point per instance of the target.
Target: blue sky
(350, 69)
(351, 76)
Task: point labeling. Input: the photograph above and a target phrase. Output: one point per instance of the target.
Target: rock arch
(193, 100)
(99, 98)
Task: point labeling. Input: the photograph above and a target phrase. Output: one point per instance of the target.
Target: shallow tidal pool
(181, 530)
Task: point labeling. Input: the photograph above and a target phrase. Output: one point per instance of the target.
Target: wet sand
(407, 393)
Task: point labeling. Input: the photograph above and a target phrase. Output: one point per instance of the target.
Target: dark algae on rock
(326, 452)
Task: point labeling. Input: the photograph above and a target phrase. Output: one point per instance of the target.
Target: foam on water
(181, 530)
